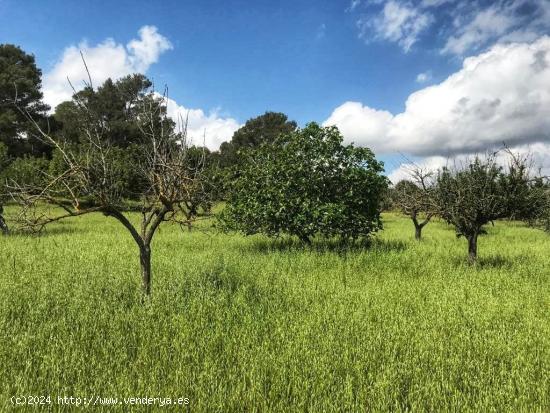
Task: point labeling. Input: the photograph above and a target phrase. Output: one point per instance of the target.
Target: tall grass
(251, 324)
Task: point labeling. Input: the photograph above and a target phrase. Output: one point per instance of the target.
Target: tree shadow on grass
(488, 262)
(267, 246)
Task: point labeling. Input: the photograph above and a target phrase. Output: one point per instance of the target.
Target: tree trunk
(145, 262)
(417, 227)
(472, 248)
(305, 239)
(417, 232)
(3, 226)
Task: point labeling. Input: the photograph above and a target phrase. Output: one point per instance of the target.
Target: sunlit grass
(252, 324)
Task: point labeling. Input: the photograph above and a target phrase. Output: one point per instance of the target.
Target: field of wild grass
(252, 324)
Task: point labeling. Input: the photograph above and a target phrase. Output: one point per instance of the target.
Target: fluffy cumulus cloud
(537, 155)
(107, 59)
(114, 60)
(498, 96)
(209, 129)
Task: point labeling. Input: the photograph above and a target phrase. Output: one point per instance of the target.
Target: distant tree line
(112, 148)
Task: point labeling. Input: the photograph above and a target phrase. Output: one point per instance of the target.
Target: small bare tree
(88, 181)
(415, 198)
(471, 195)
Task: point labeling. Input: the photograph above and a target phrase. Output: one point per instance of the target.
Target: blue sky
(233, 60)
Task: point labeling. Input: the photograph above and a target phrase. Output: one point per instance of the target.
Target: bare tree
(415, 197)
(200, 201)
(88, 179)
(471, 195)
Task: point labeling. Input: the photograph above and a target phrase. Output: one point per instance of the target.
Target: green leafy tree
(29, 171)
(117, 102)
(526, 193)
(258, 130)
(307, 183)
(20, 79)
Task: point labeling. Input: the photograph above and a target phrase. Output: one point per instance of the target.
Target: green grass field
(251, 324)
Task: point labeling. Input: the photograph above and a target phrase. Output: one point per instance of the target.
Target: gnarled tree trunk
(145, 262)
(418, 226)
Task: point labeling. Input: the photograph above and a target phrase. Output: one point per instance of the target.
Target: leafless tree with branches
(415, 198)
(88, 180)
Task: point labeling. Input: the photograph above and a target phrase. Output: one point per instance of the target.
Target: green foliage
(4, 158)
(262, 129)
(307, 183)
(21, 79)
(118, 105)
(119, 176)
(250, 324)
(28, 171)
(526, 197)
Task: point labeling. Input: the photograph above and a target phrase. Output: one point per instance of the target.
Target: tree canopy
(118, 102)
(19, 79)
(307, 183)
(471, 196)
(258, 130)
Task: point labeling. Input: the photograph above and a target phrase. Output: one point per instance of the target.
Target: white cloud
(210, 129)
(430, 163)
(434, 3)
(363, 125)
(146, 51)
(499, 96)
(398, 22)
(502, 21)
(424, 77)
(353, 5)
(466, 26)
(107, 59)
(112, 60)
(485, 25)
(537, 155)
